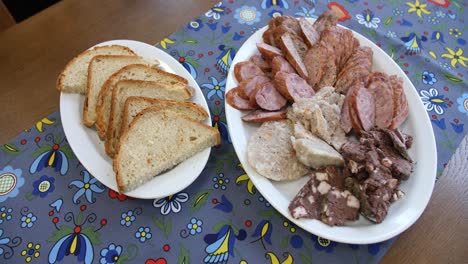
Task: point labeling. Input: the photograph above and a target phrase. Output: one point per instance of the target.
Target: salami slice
(245, 70)
(234, 100)
(292, 86)
(260, 116)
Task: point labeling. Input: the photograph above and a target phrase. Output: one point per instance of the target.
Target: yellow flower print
(44, 121)
(31, 251)
(456, 57)
(418, 8)
(166, 41)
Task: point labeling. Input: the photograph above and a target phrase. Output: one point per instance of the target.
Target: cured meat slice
(268, 52)
(292, 86)
(384, 104)
(267, 97)
(260, 116)
(234, 100)
(268, 37)
(260, 62)
(345, 120)
(294, 50)
(326, 20)
(308, 32)
(245, 70)
(331, 38)
(280, 64)
(401, 109)
(247, 87)
(329, 70)
(364, 105)
(314, 60)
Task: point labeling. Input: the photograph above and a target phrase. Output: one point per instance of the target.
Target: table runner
(52, 210)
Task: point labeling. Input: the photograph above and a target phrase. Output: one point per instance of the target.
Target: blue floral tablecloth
(52, 210)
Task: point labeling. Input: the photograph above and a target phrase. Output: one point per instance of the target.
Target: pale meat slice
(270, 152)
(267, 97)
(294, 50)
(292, 86)
(326, 20)
(364, 105)
(314, 60)
(308, 32)
(268, 52)
(384, 104)
(260, 116)
(260, 62)
(245, 70)
(246, 87)
(234, 100)
(280, 64)
(401, 110)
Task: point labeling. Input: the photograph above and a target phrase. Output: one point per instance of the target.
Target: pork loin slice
(280, 64)
(234, 100)
(245, 70)
(294, 50)
(270, 152)
(292, 86)
(260, 116)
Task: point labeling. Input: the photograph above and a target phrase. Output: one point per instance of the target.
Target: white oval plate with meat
(418, 189)
(90, 150)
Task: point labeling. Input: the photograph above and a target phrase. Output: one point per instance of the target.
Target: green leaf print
(184, 255)
(92, 235)
(200, 200)
(60, 233)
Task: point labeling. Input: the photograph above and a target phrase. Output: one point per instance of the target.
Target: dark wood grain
(33, 52)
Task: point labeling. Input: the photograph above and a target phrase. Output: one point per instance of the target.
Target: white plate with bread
(130, 109)
(418, 188)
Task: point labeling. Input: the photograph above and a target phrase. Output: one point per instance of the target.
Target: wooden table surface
(33, 52)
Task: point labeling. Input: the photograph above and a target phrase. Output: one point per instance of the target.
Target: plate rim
(302, 223)
(173, 67)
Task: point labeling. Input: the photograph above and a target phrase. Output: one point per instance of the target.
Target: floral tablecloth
(52, 210)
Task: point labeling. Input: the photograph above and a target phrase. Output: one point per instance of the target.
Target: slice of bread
(135, 72)
(100, 69)
(126, 88)
(134, 105)
(74, 76)
(156, 141)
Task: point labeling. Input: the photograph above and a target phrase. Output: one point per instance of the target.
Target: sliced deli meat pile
(324, 113)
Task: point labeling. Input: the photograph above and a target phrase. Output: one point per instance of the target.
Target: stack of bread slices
(142, 113)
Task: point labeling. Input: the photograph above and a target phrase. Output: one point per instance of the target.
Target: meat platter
(417, 187)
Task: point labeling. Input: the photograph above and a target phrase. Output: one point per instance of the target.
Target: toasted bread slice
(126, 88)
(134, 105)
(156, 141)
(74, 76)
(100, 69)
(135, 72)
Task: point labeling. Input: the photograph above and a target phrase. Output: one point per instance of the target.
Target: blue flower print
(323, 244)
(368, 19)
(398, 12)
(220, 182)
(127, 218)
(195, 226)
(195, 25)
(143, 234)
(5, 214)
(306, 13)
(215, 87)
(216, 11)
(428, 78)
(440, 14)
(171, 203)
(413, 43)
(86, 187)
(10, 182)
(269, 3)
(43, 186)
(3, 241)
(110, 254)
(247, 15)
(391, 34)
(432, 101)
(433, 20)
(437, 36)
(275, 13)
(463, 103)
(27, 221)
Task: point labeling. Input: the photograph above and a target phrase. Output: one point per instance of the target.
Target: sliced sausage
(260, 62)
(384, 104)
(246, 87)
(401, 109)
(268, 98)
(268, 52)
(245, 70)
(326, 20)
(377, 76)
(329, 70)
(314, 60)
(234, 100)
(345, 120)
(295, 51)
(364, 105)
(292, 86)
(280, 64)
(332, 38)
(268, 37)
(260, 116)
(308, 32)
